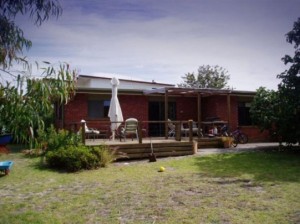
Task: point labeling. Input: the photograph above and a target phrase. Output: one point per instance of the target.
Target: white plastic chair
(131, 127)
(171, 126)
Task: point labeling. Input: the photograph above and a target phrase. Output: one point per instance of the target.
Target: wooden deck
(161, 147)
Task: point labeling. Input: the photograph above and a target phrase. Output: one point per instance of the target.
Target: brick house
(147, 102)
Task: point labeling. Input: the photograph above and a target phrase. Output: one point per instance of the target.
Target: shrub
(104, 154)
(73, 158)
(53, 139)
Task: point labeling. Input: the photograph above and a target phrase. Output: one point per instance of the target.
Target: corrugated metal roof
(94, 83)
(85, 82)
(195, 91)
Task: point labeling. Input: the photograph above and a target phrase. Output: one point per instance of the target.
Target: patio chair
(171, 126)
(195, 129)
(131, 128)
(90, 132)
(185, 131)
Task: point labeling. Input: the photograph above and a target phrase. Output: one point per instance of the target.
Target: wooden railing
(141, 128)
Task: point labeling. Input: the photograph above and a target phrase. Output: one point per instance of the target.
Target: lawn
(260, 187)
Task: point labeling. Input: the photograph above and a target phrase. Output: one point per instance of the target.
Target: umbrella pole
(113, 135)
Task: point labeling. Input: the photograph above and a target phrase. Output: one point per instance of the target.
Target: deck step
(136, 151)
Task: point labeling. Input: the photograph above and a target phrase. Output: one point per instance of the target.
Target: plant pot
(5, 139)
(226, 144)
(227, 141)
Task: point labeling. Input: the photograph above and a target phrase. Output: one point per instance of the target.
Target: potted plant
(5, 138)
(227, 141)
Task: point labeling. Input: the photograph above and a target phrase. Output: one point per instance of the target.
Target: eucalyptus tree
(207, 77)
(12, 38)
(27, 102)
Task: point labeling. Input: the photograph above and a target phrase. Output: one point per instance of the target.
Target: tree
(281, 109)
(265, 109)
(208, 77)
(12, 39)
(21, 108)
(289, 89)
(29, 103)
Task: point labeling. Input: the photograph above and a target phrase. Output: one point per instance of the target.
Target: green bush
(54, 139)
(73, 158)
(104, 154)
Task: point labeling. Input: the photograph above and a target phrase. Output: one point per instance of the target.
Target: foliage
(281, 109)
(73, 158)
(30, 102)
(265, 108)
(51, 139)
(12, 39)
(289, 90)
(208, 77)
(105, 155)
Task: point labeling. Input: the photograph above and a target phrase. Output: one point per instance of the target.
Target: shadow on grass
(262, 166)
(40, 164)
(2, 174)
(16, 148)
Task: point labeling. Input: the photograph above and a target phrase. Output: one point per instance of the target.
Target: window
(98, 108)
(244, 114)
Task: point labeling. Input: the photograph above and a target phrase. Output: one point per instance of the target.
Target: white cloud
(165, 40)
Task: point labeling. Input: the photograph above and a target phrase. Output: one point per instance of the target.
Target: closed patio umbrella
(115, 112)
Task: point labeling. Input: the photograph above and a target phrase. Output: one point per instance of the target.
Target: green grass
(257, 187)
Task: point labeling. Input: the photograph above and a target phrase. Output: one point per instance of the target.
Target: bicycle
(239, 136)
(224, 132)
(234, 142)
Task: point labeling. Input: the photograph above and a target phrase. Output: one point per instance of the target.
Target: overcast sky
(162, 40)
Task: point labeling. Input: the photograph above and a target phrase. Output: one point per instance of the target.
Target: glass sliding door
(157, 113)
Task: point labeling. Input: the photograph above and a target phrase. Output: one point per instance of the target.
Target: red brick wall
(77, 109)
(216, 106)
(234, 112)
(186, 108)
(134, 106)
(137, 106)
(254, 134)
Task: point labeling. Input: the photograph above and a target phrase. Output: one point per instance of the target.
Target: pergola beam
(199, 115)
(228, 109)
(166, 113)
